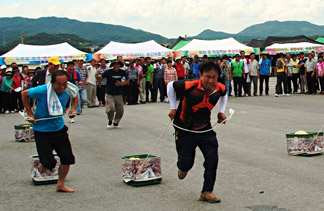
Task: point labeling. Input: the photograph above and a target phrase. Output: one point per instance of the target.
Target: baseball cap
(3, 67)
(54, 60)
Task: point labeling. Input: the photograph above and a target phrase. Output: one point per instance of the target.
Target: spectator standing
(185, 65)
(303, 78)
(254, 73)
(101, 84)
(247, 81)
(7, 89)
(280, 73)
(44, 76)
(18, 84)
(141, 82)
(238, 75)
(289, 72)
(310, 74)
(132, 88)
(149, 70)
(91, 84)
(170, 73)
(226, 70)
(295, 72)
(195, 66)
(265, 72)
(319, 72)
(82, 90)
(180, 69)
(158, 80)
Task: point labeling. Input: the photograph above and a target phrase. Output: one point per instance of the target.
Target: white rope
(30, 118)
(315, 138)
(141, 166)
(231, 112)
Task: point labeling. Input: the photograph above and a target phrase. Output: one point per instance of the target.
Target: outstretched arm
(30, 114)
(221, 108)
(172, 100)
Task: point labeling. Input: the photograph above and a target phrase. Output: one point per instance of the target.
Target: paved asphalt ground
(255, 172)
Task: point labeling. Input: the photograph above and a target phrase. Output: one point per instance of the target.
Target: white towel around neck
(53, 103)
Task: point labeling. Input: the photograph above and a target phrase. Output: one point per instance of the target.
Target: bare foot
(41, 169)
(64, 189)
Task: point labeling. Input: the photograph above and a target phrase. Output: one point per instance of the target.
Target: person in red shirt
(180, 69)
(18, 81)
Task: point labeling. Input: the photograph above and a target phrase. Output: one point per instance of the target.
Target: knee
(185, 164)
(48, 163)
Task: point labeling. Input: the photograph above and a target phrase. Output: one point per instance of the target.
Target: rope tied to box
(231, 112)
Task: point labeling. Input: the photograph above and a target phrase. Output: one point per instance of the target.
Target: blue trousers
(82, 99)
(186, 144)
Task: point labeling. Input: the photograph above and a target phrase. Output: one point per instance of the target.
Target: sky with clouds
(171, 18)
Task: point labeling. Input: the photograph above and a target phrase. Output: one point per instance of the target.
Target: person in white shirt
(247, 81)
(91, 85)
(254, 73)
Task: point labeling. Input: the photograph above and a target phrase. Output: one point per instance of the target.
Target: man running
(52, 133)
(192, 117)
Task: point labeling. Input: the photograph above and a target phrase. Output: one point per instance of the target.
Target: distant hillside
(270, 28)
(209, 34)
(98, 33)
(286, 28)
(49, 39)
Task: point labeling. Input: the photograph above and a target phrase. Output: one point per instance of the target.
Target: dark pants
(149, 89)
(289, 81)
(321, 80)
(254, 80)
(310, 83)
(281, 78)
(238, 84)
(295, 79)
(266, 79)
(7, 101)
(101, 94)
(158, 86)
(59, 141)
(186, 144)
(132, 92)
(246, 86)
(17, 101)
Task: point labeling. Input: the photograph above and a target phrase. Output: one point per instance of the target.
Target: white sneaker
(109, 126)
(166, 100)
(286, 94)
(277, 95)
(116, 125)
(72, 120)
(7, 112)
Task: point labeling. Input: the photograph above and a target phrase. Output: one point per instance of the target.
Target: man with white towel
(48, 123)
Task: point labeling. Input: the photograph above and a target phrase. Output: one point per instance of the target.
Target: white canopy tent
(35, 54)
(305, 47)
(228, 46)
(132, 50)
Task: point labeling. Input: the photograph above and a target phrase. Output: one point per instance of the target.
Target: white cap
(3, 67)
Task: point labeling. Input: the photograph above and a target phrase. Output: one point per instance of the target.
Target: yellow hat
(54, 60)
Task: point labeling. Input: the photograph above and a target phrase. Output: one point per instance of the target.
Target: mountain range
(101, 34)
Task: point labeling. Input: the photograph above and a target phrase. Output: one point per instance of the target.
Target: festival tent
(294, 48)
(132, 50)
(262, 44)
(214, 48)
(181, 44)
(35, 54)
(177, 41)
(320, 39)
